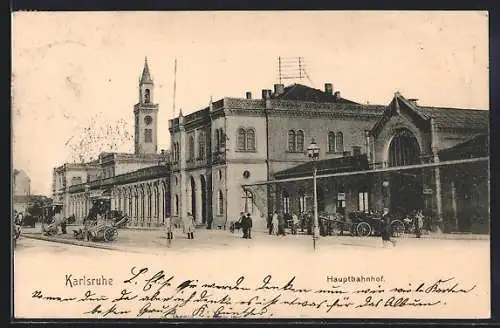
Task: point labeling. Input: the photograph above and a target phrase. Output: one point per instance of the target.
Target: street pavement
(154, 241)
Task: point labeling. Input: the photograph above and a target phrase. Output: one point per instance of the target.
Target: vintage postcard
(199, 165)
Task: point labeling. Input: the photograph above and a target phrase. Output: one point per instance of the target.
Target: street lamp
(313, 153)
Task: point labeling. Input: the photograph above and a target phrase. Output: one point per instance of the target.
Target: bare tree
(99, 137)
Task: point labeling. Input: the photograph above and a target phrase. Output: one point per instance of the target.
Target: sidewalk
(153, 240)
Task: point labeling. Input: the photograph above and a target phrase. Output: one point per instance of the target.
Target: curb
(76, 242)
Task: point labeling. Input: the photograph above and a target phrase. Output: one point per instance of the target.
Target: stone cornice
(145, 174)
(361, 116)
(458, 130)
(246, 161)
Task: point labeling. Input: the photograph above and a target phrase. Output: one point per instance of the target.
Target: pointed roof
(305, 93)
(146, 77)
(472, 119)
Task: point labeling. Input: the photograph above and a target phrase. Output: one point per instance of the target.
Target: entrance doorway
(405, 186)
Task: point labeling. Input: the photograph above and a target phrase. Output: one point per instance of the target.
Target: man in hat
(248, 226)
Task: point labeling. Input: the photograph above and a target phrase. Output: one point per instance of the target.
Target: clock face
(148, 120)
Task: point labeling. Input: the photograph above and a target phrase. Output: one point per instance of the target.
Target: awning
(326, 166)
(387, 169)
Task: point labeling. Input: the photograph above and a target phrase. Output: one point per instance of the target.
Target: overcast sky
(70, 68)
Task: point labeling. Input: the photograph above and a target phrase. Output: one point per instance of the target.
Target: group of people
(243, 222)
(188, 227)
(304, 221)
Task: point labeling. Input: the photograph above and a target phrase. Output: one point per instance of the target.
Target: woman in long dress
(275, 223)
(168, 228)
(189, 226)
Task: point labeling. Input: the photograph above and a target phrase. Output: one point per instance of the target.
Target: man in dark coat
(248, 225)
(386, 228)
(281, 225)
(244, 224)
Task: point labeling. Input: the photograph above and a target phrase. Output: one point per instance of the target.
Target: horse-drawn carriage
(101, 223)
(52, 219)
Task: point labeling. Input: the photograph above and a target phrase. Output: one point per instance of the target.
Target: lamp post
(313, 153)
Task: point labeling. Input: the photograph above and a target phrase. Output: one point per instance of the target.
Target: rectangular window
(302, 203)
(286, 204)
(363, 201)
(340, 201)
(148, 135)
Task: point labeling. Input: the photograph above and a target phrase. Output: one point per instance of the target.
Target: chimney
(249, 95)
(337, 95)
(279, 89)
(266, 93)
(413, 101)
(328, 88)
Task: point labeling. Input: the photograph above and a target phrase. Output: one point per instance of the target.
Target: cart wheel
(363, 229)
(110, 234)
(398, 228)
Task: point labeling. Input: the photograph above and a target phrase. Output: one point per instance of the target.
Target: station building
(249, 154)
(245, 154)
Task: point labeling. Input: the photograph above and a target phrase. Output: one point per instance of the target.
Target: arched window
(302, 201)
(247, 202)
(300, 141)
(191, 148)
(147, 96)
(220, 203)
(250, 140)
(291, 141)
(331, 142)
(404, 149)
(241, 140)
(176, 205)
(201, 146)
(339, 142)
(286, 202)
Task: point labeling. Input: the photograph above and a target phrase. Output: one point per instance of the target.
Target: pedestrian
(386, 228)
(275, 223)
(341, 218)
(19, 218)
(309, 223)
(189, 226)
(249, 226)
(295, 223)
(281, 225)
(419, 223)
(244, 225)
(270, 223)
(168, 228)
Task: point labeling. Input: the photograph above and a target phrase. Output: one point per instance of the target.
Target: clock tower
(146, 116)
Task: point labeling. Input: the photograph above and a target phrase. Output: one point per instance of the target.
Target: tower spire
(146, 77)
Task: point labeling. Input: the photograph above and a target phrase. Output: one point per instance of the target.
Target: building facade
(249, 155)
(222, 153)
(137, 183)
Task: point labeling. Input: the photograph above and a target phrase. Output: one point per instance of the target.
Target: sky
(78, 72)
